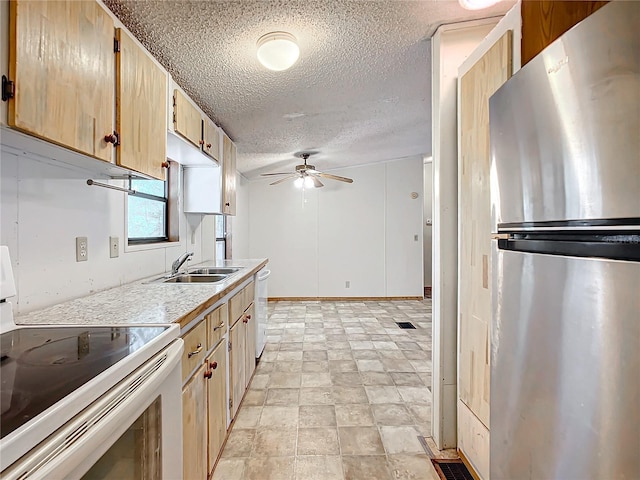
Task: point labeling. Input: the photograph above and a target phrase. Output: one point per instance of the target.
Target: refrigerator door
(565, 363)
(564, 129)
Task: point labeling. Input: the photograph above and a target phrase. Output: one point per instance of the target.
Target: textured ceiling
(360, 92)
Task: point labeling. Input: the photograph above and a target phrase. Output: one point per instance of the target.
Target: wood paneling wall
(543, 21)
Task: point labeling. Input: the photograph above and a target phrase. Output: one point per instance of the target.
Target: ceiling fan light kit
(278, 51)
(306, 176)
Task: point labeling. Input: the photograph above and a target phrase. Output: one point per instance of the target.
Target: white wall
(427, 224)
(240, 223)
(364, 233)
(44, 206)
(450, 46)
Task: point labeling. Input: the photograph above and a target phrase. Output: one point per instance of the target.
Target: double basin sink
(200, 275)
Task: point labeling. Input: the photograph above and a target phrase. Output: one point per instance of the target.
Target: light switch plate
(82, 249)
(114, 247)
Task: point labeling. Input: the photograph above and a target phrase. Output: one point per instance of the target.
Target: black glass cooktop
(40, 366)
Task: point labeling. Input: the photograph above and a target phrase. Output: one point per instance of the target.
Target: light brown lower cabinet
(217, 400)
(194, 429)
(237, 366)
(250, 344)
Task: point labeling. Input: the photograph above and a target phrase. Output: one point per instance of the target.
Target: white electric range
(88, 401)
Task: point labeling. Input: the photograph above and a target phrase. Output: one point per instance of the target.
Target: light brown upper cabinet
(187, 120)
(228, 176)
(211, 140)
(141, 120)
(61, 61)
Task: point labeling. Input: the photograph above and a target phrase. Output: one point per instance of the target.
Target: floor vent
(451, 469)
(406, 325)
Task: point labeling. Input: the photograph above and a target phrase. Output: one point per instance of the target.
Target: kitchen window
(221, 237)
(152, 210)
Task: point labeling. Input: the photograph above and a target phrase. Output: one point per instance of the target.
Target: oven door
(133, 431)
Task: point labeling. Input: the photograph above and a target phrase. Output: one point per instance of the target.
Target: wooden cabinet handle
(208, 374)
(248, 317)
(213, 365)
(219, 326)
(201, 142)
(112, 138)
(196, 351)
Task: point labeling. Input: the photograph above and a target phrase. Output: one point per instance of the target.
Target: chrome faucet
(175, 266)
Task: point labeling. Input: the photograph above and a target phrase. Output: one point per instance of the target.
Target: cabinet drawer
(236, 307)
(249, 294)
(195, 348)
(217, 324)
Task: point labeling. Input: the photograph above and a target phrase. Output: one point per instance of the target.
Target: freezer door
(564, 129)
(565, 367)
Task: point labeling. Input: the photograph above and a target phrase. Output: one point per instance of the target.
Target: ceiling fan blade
(316, 183)
(293, 175)
(269, 174)
(334, 177)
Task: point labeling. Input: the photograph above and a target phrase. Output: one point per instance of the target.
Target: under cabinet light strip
(113, 187)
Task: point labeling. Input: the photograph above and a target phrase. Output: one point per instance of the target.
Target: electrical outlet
(347, 284)
(82, 249)
(114, 247)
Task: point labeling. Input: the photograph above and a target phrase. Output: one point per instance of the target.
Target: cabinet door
(141, 96)
(228, 176)
(250, 343)
(237, 367)
(61, 60)
(187, 121)
(211, 139)
(217, 397)
(194, 428)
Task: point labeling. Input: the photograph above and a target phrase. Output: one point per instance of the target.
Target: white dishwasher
(261, 310)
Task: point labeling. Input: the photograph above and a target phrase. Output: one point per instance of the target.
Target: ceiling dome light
(278, 50)
(308, 182)
(477, 4)
(298, 182)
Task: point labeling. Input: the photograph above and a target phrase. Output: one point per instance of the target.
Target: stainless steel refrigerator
(565, 186)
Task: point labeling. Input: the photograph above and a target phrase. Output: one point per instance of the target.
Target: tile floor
(340, 392)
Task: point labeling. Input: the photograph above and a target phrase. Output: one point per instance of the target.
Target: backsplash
(45, 206)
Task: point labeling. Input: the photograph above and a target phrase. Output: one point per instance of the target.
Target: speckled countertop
(141, 302)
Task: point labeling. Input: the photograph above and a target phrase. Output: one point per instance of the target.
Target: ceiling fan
(307, 175)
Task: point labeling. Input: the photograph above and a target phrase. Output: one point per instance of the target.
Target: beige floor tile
(415, 394)
(407, 379)
(383, 395)
(318, 441)
(421, 412)
(342, 366)
(392, 354)
(273, 416)
(291, 346)
(275, 468)
(417, 355)
(254, 398)
(311, 366)
(335, 345)
(343, 394)
(385, 345)
(361, 345)
(323, 467)
(322, 379)
(360, 441)
(230, 469)
(370, 366)
(400, 440)
(290, 366)
(411, 467)
(346, 379)
(317, 416)
(354, 415)
(365, 354)
(421, 365)
(376, 379)
(264, 366)
(397, 365)
(239, 443)
(248, 417)
(314, 355)
(282, 396)
(316, 396)
(340, 354)
(392, 414)
(368, 467)
(274, 442)
(285, 380)
(259, 381)
(314, 346)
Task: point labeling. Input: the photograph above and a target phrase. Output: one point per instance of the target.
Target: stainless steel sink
(213, 270)
(190, 278)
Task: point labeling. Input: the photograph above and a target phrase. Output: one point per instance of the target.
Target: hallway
(340, 392)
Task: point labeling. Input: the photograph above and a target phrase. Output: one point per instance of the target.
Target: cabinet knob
(227, 204)
(208, 145)
(213, 365)
(245, 320)
(208, 374)
(112, 138)
(201, 142)
(248, 317)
